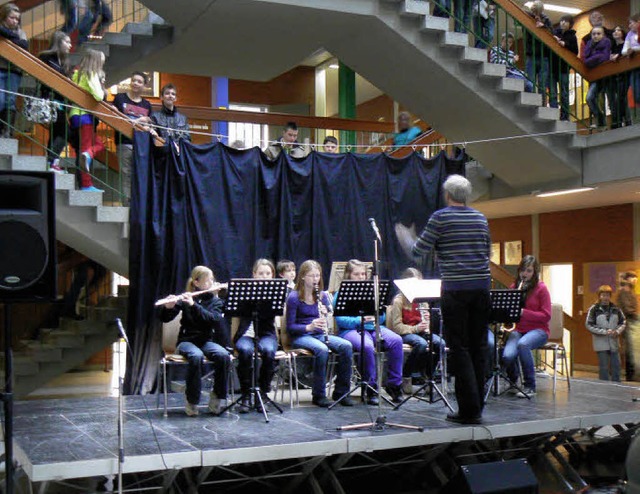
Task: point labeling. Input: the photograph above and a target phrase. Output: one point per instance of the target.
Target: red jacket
(537, 310)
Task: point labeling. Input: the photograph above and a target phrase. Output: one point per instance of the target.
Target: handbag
(41, 111)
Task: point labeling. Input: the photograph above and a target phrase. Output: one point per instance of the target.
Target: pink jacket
(537, 310)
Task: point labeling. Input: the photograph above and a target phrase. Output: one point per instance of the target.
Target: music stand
(416, 291)
(356, 298)
(506, 307)
(256, 298)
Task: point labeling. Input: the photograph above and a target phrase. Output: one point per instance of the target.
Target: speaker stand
(7, 398)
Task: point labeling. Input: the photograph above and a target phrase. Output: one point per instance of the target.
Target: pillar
(220, 100)
(347, 101)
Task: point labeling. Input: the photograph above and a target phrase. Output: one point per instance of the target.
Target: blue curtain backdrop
(224, 208)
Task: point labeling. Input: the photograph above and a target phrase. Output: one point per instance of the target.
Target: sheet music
(417, 290)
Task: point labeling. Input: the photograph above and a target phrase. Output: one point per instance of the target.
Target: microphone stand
(380, 424)
(123, 336)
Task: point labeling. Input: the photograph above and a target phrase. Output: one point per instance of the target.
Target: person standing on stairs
(91, 78)
(10, 75)
(138, 109)
(57, 57)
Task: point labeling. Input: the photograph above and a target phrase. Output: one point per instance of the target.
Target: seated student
(504, 55)
(348, 328)
(200, 315)
(597, 51)
(287, 143)
(308, 328)
(532, 331)
(412, 323)
(267, 343)
(606, 322)
(171, 123)
(287, 270)
(138, 109)
(330, 145)
(406, 132)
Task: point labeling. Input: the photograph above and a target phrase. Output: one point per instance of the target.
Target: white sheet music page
(416, 290)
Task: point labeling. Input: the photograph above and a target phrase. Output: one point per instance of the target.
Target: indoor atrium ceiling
(581, 5)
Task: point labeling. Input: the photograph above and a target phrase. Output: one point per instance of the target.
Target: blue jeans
(418, 358)
(267, 347)
(218, 356)
(592, 101)
(563, 80)
(392, 345)
(519, 346)
(462, 13)
(9, 81)
(484, 30)
(609, 365)
(341, 347)
(70, 10)
(635, 84)
(538, 73)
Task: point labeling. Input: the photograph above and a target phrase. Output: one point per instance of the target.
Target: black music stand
(417, 291)
(256, 298)
(506, 307)
(356, 298)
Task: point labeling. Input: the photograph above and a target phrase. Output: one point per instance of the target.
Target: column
(220, 100)
(347, 101)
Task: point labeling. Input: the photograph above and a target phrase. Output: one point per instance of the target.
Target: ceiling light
(334, 66)
(563, 192)
(557, 8)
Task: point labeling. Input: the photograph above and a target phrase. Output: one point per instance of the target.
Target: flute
(178, 298)
(322, 312)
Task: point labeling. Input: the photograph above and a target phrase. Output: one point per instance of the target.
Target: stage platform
(64, 439)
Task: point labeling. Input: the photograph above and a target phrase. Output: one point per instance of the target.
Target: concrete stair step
(84, 198)
(112, 214)
(43, 352)
(23, 365)
(433, 24)
(530, 99)
(20, 162)
(65, 181)
(511, 85)
(492, 70)
(84, 327)
(118, 39)
(103, 314)
(455, 40)
(544, 113)
(139, 28)
(473, 55)
(63, 338)
(8, 147)
(123, 291)
(119, 302)
(414, 8)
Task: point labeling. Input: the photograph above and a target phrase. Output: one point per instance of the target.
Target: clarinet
(322, 312)
(423, 308)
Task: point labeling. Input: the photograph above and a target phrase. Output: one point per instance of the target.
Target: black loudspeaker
(508, 477)
(27, 237)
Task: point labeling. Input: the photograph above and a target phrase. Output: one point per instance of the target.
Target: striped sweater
(460, 237)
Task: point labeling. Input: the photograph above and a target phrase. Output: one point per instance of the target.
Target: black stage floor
(59, 439)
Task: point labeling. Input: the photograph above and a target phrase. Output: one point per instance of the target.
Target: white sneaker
(527, 392)
(407, 386)
(216, 405)
(190, 409)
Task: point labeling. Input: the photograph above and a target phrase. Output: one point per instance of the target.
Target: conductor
(459, 235)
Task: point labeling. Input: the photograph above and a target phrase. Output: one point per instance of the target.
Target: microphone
(374, 227)
(121, 330)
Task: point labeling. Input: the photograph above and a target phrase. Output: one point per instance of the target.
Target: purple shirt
(630, 43)
(597, 53)
(299, 314)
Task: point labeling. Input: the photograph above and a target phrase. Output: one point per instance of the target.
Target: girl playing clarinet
(267, 344)
(201, 314)
(348, 328)
(307, 312)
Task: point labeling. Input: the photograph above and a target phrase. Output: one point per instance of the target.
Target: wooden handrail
(606, 69)
(332, 123)
(56, 81)
(501, 275)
